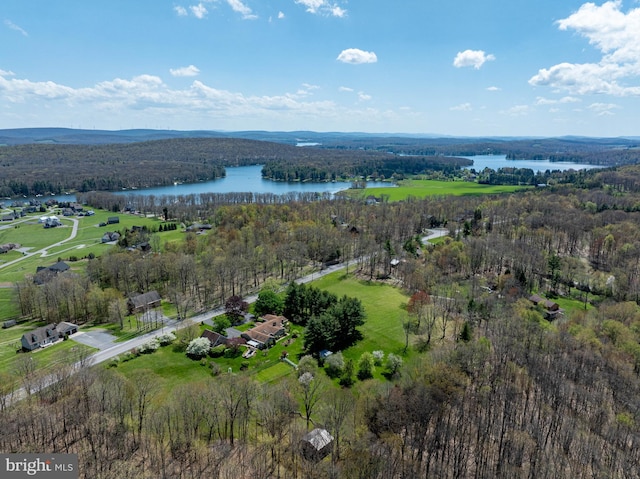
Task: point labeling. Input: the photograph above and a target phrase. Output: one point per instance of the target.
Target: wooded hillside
(493, 386)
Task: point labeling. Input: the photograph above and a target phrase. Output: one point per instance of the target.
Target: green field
(28, 233)
(423, 188)
(46, 359)
(8, 306)
(382, 331)
(383, 305)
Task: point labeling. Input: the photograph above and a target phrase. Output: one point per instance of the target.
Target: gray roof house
(45, 335)
(45, 274)
(143, 302)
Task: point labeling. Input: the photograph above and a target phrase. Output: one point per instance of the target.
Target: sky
(443, 67)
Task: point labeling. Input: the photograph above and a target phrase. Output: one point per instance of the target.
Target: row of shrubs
(147, 347)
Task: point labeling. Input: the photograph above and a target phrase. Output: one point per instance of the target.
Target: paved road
(207, 317)
(44, 251)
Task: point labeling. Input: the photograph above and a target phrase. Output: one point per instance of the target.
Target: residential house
(143, 302)
(265, 334)
(50, 221)
(109, 236)
(551, 309)
(112, 220)
(44, 274)
(316, 445)
(46, 335)
(214, 338)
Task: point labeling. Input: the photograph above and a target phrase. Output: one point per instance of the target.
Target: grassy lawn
(46, 359)
(383, 305)
(31, 234)
(174, 368)
(131, 328)
(8, 306)
(422, 188)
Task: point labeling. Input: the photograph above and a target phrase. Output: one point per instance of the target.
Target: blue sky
(465, 67)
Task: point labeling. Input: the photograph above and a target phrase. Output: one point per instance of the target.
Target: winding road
(44, 251)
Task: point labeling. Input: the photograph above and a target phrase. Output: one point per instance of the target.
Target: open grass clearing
(46, 359)
(8, 305)
(32, 235)
(384, 307)
(424, 188)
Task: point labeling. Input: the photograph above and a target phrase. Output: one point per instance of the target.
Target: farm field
(423, 188)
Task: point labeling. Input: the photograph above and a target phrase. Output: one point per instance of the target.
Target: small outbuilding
(316, 445)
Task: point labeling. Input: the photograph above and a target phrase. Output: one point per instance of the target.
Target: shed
(316, 445)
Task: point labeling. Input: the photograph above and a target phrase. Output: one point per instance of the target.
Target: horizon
(426, 136)
(536, 70)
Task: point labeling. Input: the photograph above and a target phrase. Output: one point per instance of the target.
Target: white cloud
(616, 35)
(323, 7)
(517, 110)
(603, 109)
(199, 10)
(472, 58)
(189, 71)
(147, 98)
(180, 11)
(280, 15)
(345, 89)
(547, 101)
(462, 107)
(15, 27)
(356, 56)
(4, 73)
(336, 11)
(241, 8)
(362, 96)
(494, 88)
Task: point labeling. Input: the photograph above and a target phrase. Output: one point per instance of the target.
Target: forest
(487, 386)
(53, 168)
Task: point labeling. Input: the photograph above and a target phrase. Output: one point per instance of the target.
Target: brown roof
(214, 338)
(270, 328)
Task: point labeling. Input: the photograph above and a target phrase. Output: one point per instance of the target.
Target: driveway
(95, 339)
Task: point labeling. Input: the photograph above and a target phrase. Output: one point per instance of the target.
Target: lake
(480, 162)
(241, 179)
(249, 179)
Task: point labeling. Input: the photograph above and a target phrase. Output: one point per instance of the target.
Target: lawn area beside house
(174, 368)
(423, 188)
(8, 306)
(46, 359)
(384, 306)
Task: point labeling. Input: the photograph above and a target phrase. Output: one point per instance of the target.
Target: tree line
(495, 389)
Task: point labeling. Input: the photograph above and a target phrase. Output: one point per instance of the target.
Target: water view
(249, 179)
(245, 179)
(480, 162)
